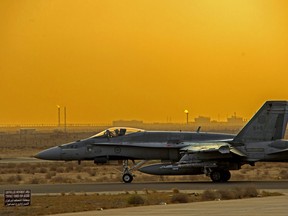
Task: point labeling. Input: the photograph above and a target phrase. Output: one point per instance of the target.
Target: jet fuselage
(138, 144)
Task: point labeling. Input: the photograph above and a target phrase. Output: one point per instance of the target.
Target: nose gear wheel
(127, 172)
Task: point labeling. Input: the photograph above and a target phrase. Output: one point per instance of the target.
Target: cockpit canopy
(117, 131)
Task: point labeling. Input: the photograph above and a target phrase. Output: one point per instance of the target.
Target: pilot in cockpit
(115, 133)
(108, 133)
(122, 132)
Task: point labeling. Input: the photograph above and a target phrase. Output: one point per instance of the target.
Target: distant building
(127, 123)
(235, 120)
(27, 130)
(202, 120)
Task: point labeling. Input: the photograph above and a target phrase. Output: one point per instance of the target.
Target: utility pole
(65, 125)
(58, 108)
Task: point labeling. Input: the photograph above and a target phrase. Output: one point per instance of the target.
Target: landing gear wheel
(226, 175)
(127, 178)
(220, 175)
(216, 176)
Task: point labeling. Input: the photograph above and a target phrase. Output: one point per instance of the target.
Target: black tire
(226, 175)
(216, 176)
(220, 175)
(127, 178)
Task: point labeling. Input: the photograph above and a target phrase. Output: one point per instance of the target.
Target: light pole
(65, 119)
(187, 113)
(58, 108)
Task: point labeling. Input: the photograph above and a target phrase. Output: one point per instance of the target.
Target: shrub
(79, 168)
(53, 167)
(266, 194)
(179, 198)
(19, 170)
(50, 174)
(59, 169)
(61, 179)
(208, 195)
(69, 168)
(36, 181)
(283, 174)
(103, 179)
(175, 190)
(42, 170)
(29, 170)
(228, 194)
(14, 179)
(135, 199)
(231, 193)
(146, 191)
(92, 172)
(249, 192)
(11, 165)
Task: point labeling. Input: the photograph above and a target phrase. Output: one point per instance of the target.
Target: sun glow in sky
(147, 60)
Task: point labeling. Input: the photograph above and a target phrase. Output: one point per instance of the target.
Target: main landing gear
(127, 172)
(219, 175)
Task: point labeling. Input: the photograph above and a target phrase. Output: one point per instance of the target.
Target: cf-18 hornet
(185, 153)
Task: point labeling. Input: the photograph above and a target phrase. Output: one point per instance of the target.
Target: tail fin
(269, 123)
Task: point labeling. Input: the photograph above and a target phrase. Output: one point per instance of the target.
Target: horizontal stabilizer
(279, 152)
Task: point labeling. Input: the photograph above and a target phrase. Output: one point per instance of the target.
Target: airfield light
(187, 113)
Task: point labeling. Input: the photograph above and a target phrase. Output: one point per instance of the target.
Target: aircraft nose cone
(49, 154)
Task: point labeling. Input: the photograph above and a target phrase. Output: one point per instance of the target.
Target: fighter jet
(123, 143)
(187, 153)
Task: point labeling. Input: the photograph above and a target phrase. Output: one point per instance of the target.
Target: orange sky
(147, 60)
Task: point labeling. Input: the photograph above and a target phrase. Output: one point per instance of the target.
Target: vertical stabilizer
(268, 124)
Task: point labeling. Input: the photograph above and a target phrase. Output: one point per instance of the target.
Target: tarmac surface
(159, 186)
(255, 206)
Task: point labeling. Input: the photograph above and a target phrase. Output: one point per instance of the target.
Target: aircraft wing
(221, 147)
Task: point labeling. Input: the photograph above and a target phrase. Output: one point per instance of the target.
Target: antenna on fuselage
(198, 130)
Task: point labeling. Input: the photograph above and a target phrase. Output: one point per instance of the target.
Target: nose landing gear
(127, 172)
(127, 177)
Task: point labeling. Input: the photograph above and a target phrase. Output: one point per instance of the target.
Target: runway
(160, 186)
